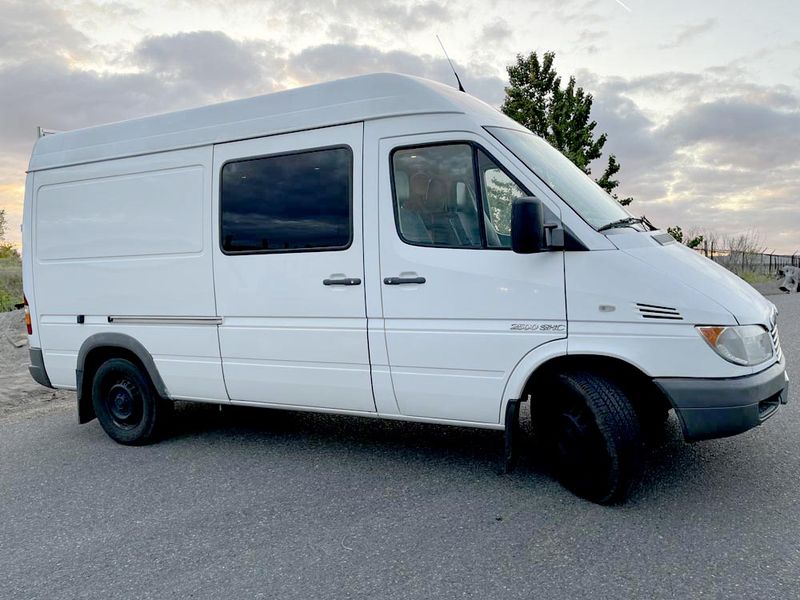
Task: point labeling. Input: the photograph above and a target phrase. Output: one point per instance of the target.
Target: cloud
(738, 133)
(395, 15)
(726, 161)
(332, 61)
(588, 39)
(689, 33)
(211, 59)
(34, 29)
(496, 32)
(342, 33)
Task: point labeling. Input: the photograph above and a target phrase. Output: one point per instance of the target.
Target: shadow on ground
(671, 464)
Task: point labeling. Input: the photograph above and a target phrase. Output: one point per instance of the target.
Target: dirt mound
(18, 391)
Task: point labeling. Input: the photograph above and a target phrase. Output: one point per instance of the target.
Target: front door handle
(343, 281)
(403, 280)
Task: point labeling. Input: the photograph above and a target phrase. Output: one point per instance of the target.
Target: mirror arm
(554, 235)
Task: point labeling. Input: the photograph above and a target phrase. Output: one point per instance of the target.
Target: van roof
(349, 100)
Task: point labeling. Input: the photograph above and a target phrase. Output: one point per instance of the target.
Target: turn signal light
(711, 334)
(28, 324)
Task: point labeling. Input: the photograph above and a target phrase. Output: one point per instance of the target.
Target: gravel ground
(19, 393)
(269, 504)
(771, 288)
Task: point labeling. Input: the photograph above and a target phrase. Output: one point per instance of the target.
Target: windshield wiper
(624, 222)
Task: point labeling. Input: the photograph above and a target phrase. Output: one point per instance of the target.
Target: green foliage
(677, 233)
(562, 116)
(753, 277)
(695, 241)
(2, 223)
(8, 251)
(10, 274)
(10, 282)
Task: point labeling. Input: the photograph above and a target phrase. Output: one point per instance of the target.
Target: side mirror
(530, 231)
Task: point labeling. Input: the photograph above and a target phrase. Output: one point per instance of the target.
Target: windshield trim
(526, 131)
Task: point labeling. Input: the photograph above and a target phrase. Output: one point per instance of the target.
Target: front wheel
(126, 404)
(593, 436)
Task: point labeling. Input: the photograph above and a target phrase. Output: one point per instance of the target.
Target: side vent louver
(652, 311)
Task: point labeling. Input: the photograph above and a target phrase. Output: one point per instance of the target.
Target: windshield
(572, 185)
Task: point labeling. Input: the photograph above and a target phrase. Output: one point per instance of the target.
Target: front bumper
(715, 408)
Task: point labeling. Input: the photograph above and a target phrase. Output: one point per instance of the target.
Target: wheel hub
(124, 403)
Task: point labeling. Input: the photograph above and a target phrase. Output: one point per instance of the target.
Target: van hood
(705, 276)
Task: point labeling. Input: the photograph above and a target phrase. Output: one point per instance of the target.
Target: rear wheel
(126, 404)
(592, 436)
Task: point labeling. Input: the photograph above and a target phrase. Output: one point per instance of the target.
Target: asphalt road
(268, 504)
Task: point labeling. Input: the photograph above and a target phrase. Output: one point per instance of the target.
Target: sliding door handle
(343, 281)
(403, 280)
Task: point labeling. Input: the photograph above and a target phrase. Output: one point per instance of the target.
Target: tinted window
(289, 202)
(434, 196)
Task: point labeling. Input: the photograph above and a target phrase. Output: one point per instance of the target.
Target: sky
(700, 101)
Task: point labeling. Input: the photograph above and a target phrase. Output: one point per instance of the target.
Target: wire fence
(745, 261)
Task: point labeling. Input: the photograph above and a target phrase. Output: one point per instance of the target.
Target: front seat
(410, 203)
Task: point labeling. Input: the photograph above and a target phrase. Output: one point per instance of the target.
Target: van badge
(547, 327)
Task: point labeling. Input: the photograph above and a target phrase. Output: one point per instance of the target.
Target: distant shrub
(10, 277)
(752, 277)
(7, 251)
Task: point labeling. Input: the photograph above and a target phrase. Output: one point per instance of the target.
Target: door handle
(343, 281)
(403, 280)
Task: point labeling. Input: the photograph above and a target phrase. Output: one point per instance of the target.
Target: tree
(562, 116)
(2, 223)
(692, 242)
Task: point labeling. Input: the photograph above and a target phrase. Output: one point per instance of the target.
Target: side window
(499, 190)
(435, 196)
(438, 197)
(289, 202)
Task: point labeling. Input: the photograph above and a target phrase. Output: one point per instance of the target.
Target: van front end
(705, 338)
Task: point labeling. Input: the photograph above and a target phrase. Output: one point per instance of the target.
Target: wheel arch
(98, 348)
(533, 369)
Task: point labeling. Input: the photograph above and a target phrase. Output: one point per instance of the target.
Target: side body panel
(287, 339)
(128, 238)
(451, 344)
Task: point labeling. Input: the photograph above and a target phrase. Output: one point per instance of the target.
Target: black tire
(126, 403)
(653, 416)
(593, 436)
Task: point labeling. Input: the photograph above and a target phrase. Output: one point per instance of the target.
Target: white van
(379, 246)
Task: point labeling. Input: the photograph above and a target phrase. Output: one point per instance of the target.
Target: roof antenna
(460, 87)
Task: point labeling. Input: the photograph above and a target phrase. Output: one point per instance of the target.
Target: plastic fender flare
(113, 340)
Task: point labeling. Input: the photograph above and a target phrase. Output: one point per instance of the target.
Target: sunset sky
(701, 101)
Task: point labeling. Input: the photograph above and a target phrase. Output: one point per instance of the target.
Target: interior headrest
(418, 184)
(437, 194)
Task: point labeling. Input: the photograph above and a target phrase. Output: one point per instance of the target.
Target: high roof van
(381, 246)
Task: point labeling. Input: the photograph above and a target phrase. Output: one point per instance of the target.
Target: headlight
(742, 345)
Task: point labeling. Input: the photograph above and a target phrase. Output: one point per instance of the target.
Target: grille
(776, 342)
(653, 311)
